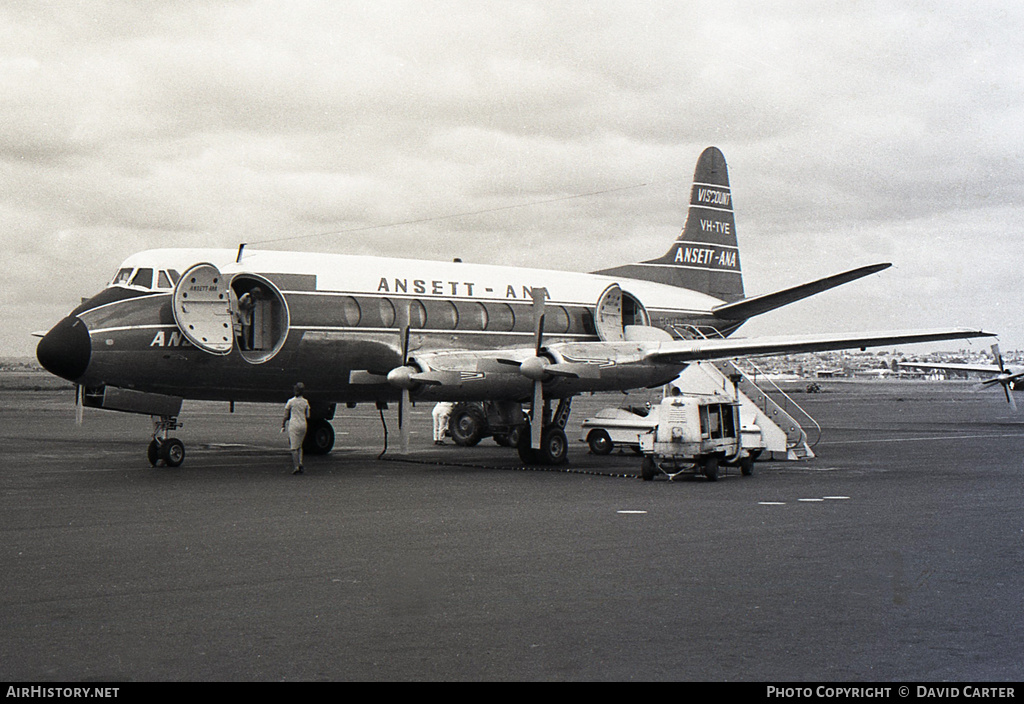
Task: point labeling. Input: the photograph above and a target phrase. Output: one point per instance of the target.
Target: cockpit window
(162, 280)
(143, 279)
(123, 276)
(174, 276)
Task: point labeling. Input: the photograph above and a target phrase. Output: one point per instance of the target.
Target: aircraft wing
(681, 352)
(980, 368)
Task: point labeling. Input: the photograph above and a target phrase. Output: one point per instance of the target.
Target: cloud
(853, 131)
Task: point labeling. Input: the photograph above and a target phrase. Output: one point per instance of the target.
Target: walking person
(441, 413)
(296, 413)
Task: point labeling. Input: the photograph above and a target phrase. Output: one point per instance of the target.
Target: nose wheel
(170, 451)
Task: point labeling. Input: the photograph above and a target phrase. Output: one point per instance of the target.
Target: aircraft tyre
(153, 452)
(526, 453)
(599, 441)
(711, 469)
(747, 466)
(554, 447)
(467, 425)
(172, 452)
(319, 438)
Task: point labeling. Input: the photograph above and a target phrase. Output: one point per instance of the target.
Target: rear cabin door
(202, 309)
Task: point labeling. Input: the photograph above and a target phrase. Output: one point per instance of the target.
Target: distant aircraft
(361, 329)
(1007, 377)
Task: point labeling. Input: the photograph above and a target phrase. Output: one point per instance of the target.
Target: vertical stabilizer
(705, 256)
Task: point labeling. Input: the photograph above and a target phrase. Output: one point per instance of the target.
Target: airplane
(1007, 377)
(361, 329)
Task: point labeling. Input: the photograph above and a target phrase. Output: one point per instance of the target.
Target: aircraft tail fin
(705, 256)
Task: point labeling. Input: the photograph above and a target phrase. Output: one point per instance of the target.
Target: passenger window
(556, 319)
(144, 278)
(472, 315)
(387, 313)
(351, 311)
(417, 315)
(443, 315)
(502, 318)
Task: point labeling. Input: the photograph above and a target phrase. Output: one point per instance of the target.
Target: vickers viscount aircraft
(245, 325)
(1009, 378)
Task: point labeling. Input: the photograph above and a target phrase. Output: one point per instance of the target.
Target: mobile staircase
(786, 428)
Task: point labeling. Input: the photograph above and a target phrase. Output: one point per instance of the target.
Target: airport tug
(695, 434)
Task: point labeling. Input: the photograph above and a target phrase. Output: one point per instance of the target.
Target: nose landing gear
(170, 451)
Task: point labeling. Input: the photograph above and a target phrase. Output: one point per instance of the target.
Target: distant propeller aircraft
(1007, 377)
(217, 324)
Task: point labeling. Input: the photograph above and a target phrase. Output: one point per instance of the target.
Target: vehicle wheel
(153, 452)
(526, 453)
(711, 469)
(467, 425)
(554, 447)
(172, 452)
(319, 438)
(600, 443)
(747, 466)
(648, 469)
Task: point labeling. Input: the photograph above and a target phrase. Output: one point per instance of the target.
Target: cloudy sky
(550, 134)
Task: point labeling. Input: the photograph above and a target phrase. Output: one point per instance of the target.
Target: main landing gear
(554, 445)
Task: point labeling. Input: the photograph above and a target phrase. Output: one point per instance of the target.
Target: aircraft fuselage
(337, 314)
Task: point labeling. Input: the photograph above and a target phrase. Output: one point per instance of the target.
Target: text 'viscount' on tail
(705, 257)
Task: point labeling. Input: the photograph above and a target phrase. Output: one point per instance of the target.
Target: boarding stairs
(787, 430)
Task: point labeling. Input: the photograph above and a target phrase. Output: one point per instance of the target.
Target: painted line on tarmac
(821, 500)
(928, 438)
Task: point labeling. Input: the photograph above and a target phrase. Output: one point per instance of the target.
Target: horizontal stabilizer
(749, 307)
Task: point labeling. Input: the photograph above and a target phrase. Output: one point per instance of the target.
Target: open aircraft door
(620, 316)
(202, 309)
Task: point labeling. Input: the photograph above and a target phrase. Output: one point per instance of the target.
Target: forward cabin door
(202, 309)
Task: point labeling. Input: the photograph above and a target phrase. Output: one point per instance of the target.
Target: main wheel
(599, 441)
(526, 453)
(554, 447)
(747, 466)
(319, 438)
(467, 425)
(172, 452)
(153, 452)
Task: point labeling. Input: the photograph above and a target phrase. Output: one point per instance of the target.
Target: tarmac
(897, 554)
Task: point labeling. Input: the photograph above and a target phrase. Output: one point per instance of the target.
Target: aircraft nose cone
(66, 349)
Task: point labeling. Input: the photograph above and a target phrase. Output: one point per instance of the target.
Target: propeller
(79, 401)
(536, 368)
(1005, 378)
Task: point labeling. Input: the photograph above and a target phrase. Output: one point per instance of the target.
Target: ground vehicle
(472, 421)
(617, 426)
(695, 434)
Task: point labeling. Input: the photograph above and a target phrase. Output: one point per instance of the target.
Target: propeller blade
(402, 315)
(403, 428)
(998, 357)
(79, 392)
(537, 415)
(539, 295)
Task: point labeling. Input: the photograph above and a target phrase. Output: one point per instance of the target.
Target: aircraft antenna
(240, 248)
(436, 218)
